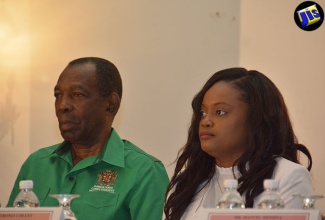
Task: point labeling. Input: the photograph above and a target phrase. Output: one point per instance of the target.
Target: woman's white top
(293, 179)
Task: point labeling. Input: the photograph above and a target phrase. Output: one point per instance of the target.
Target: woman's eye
(202, 113)
(220, 112)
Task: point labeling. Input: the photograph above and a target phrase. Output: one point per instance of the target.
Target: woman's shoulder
(286, 167)
(293, 179)
(281, 161)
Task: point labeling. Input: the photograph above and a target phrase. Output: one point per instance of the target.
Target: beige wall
(165, 51)
(14, 91)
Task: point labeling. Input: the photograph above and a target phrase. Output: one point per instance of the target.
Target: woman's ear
(113, 103)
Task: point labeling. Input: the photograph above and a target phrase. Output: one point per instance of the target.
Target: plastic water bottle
(26, 198)
(270, 198)
(230, 198)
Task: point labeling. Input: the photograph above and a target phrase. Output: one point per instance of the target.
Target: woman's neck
(225, 163)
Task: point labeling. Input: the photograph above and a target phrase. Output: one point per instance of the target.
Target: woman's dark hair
(270, 136)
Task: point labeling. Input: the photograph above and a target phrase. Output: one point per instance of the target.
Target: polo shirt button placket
(71, 178)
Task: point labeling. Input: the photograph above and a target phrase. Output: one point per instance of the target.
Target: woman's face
(223, 128)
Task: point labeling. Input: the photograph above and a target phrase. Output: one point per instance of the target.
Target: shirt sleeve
(296, 181)
(147, 196)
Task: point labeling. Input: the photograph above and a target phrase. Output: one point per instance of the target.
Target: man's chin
(68, 136)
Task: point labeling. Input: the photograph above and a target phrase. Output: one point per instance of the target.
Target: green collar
(112, 152)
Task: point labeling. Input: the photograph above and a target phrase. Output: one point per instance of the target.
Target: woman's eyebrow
(218, 103)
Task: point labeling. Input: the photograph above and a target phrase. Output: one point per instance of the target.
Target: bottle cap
(230, 183)
(271, 184)
(26, 184)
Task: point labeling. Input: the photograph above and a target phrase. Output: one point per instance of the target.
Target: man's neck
(79, 152)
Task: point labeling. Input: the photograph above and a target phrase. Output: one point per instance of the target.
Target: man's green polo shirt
(122, 182)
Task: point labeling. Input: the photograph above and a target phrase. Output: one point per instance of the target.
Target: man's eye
(77, 94)
(220, 112)
(57, 95)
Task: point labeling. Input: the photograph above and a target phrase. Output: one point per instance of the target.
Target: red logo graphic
(107, 178)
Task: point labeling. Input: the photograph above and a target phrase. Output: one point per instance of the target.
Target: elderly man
(114, 178)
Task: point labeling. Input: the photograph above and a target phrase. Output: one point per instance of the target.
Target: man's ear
(113, 103)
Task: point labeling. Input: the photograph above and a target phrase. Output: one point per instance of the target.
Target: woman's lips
(206, 135)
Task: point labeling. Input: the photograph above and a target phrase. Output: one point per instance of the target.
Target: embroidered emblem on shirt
(106, 180)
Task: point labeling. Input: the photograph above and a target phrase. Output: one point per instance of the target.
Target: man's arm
(147, 197)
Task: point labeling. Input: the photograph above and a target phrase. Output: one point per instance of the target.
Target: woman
(240, 129)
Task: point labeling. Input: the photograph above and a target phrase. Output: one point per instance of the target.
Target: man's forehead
(75, 72)
(76, 79)
(80, 86)
(86, 68)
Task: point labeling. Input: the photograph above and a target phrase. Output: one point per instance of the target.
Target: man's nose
(63, 104)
